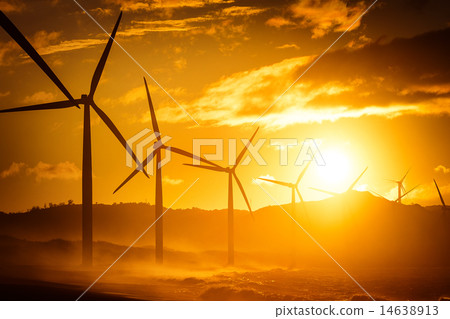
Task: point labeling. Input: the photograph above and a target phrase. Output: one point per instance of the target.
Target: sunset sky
(379, 98)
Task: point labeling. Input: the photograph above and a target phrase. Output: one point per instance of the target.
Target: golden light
(336, 170)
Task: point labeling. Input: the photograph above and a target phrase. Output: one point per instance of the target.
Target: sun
(336, 170)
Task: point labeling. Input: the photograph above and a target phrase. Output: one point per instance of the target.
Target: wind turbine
(398, 200)
(400, 187)
(231, 171)
(88, 102)
(292, 186)
(158, 147)
(444, 207)
(348, 189)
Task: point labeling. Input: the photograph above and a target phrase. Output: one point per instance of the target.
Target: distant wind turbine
(293, 187)
(400, 186)
(88, 102)
(231, 171)
(158, 179)
(381, 196)
(348, 189)
(399, 199)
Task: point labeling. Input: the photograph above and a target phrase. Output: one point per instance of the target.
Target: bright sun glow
(336, 170)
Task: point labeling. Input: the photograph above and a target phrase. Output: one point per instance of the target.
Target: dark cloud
(401, 71)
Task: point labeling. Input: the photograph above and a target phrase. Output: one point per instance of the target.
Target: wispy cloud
(139, 5)
(42, 171)
(442, 169)
(222, 20)
(3, 94)
(39, 97)
(288, 46)
(71, 45)
(171, 181)
(321, 16)
(63, 170)
(12, 170)
(11, 6)
(346, 83)
(279, 22)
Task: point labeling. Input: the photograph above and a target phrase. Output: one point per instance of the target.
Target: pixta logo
(145, 143)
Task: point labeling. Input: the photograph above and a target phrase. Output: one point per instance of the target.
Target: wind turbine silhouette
(88, 102)
(158, 147)
(293, 187)
(381, 196)
(348, 189)
(400, 187)
(444, 207)
(231, 171)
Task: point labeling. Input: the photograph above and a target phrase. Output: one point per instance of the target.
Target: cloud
(140, 28)
(4, 94)
(134, 95)
(324, 16)
(11, 6)
(180, 63)
(442, 168)
(279, 22)
(102, 11)
(42, 39)
(138, 5)
(7, 50)
(242, 97)
(47, 43)
(288, 46)
(63, 170)
(220, 22)
(172, 4)
(170, 181)
(14, 169)
(374, 80)
(237, 11)
(360, 42)
(130, 5)
(39, 97)
(71, 45)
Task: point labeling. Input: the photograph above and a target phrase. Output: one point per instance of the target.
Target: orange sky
(378, 98)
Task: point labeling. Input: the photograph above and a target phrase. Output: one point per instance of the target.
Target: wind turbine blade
(276, 182)
(373, 192)
(392, 180)
(403, 188)
(242, 191)
(303, 172)
(356, 181)
(326, 192)
(212, 168)
(134, 173)
(45, 106)
(152, 111)
(401, 181)
(409, 191)
(12, 30)
(192, 156)
(241, 155)
(299, 195)
(144, 165)
(101, 64)
(440, 195)
(116, 133)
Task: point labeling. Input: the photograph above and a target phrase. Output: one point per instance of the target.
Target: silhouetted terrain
(399, 251)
